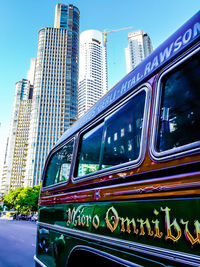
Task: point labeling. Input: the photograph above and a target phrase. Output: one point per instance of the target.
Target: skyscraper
(16, 151)
(4, 181)
(93, 70)
(54, 107)
(31, 71)
(139, 47)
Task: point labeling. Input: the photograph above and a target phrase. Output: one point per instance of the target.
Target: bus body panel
(145, 214)
(160, 226)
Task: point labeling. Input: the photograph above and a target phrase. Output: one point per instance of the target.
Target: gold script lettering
(169, 225)
(126, 225)
(157, 231)
(112, 219)
(187, 232)
(88, 220)
(95, 221)
(148, 226)
(71, 216)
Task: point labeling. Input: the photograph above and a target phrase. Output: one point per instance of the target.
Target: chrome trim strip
(152, 189)
(105, 255)
(192, 260)
(182, 150)
(127, 165)
(135, 183)
(39, 262)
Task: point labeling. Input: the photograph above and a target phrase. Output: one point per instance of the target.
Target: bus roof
(183, 38)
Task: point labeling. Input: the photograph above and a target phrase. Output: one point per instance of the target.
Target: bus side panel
(139, 227)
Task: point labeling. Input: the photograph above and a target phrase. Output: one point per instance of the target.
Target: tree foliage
(25, 200)
(10, 199)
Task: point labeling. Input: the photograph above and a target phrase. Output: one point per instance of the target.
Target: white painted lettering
(147, 68)
(196, 29)
(177, 44)
(129, 84)
(187, 36)
(112, 97)
(155, 63)
(166, 53)
(139, 76)
(133, 81)
(123, 89)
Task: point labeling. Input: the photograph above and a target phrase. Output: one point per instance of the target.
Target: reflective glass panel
(179, 121)
(59, 165)
(114, 142)
(89, 152)
(122, 138)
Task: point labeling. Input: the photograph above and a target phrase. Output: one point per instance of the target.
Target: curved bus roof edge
(185, 36)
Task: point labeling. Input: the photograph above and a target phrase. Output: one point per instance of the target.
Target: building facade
(92, 71)
(139, 47)
(31, 71)
(16, 150)
(4, 182)
(54, 107)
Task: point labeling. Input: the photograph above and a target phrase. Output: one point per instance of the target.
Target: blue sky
(20, 21)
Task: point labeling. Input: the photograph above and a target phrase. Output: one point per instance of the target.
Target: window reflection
(59, 166)
(89, 154)
(123, 133)
(179, 122)
(114, 142)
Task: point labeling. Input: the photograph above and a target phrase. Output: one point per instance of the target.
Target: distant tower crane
(105, 33)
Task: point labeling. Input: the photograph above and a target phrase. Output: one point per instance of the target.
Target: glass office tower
(93, 70)
(139, 47)
(54, 107)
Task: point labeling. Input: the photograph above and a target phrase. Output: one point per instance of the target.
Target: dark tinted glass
(114, 142)
(89, 152)
(179, 122)
(59, 166)
(123, 133)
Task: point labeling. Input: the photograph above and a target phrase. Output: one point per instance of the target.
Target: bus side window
(179, 120)
(123, 132)
(59, 165)
(89, 152)
(114, 142)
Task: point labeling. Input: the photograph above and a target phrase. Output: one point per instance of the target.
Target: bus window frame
(127, 165)
(53, 152)
(182, 150)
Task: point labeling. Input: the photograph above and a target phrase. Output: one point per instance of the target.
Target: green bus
(122, 185)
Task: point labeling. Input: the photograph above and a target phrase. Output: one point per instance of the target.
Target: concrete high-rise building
(92, 71)
(139, 47)
(19, 159)
(4, 181)
(31, 71)
(54, 107)
(16, 150)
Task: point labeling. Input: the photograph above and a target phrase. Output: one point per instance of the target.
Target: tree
(25, 200)
(10, 199)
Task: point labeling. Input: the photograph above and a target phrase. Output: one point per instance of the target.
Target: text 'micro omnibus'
(122, 185)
